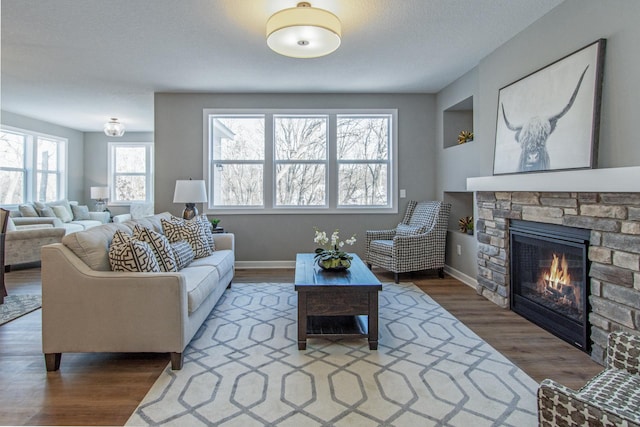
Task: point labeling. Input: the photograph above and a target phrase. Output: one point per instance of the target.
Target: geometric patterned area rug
(15, 306)
(243, 368)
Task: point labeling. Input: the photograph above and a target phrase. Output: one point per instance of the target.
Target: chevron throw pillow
(191, 231)
(159, 245)
(129, 254)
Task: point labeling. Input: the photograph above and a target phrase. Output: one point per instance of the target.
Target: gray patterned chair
(611, 398)
(417, 243)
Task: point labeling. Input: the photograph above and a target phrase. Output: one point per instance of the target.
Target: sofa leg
(396, 277)
(176, 361)
(52, 361)
(7, 269)
(229, 285)
(441, 272)
(369, 265)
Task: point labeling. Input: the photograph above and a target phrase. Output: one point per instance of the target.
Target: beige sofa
(87, 307)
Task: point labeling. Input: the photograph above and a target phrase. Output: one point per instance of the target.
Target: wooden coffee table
(336, 304)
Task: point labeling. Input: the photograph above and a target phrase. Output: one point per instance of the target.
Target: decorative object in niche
(466, 224)
(550, 119)
(465, 136)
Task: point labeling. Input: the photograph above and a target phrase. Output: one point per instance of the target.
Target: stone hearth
(614, 251)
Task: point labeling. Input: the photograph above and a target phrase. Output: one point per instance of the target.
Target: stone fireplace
(613, 222)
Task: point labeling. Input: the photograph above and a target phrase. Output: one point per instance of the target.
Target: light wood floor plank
(104, 389)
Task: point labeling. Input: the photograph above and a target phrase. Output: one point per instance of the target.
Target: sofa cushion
(223, 261)
(201, 282)
(192, 231)
(28, 210)
(80, 212)
(182, 253)
(92, 245)
(129, 254)
(159, 245)
(61, 212)
(86, 223)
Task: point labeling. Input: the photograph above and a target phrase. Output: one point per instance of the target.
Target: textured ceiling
(78, 62)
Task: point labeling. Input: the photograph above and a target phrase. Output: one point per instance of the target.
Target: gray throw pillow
(46, 212)
(80, 213)
(28, 210)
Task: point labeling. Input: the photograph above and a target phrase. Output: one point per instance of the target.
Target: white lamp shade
(98, 193)
(303, 32)
(190, 191)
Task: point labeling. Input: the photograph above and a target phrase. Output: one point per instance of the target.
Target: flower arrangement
(330, 256)
(466, 224)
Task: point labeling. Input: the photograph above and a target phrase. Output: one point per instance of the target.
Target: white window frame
(149, 170)
(270, 162)
(30, 166)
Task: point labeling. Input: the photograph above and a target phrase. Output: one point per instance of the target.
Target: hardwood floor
(104, 389)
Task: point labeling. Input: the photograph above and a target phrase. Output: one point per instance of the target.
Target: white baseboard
(467, 280)
(249, 265)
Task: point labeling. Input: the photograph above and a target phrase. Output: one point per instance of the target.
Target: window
(32, 167)
(130, 172)
(301, 161)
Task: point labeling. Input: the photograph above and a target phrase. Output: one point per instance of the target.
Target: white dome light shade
(114, 128)
(303, 32)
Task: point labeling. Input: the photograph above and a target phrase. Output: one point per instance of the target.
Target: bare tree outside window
(294, 160)
(130, 173)
(363, 155)
(31, 167)
(238, 161)
(12, 168)
(301, 156)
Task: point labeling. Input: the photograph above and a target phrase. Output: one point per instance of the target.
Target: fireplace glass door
(549, 283)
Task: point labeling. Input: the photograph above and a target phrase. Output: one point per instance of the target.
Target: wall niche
(457, 118)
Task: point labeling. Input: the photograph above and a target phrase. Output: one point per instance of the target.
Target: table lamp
(190, 192)
(100, 195)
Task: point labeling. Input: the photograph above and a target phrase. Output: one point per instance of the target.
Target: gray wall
(178, 148)
(567, 28)
(96, 161)
(75, 148)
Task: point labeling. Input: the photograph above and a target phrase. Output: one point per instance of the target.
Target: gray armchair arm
(34, 233)
(623, 352)
(24, 220)
(561, 406)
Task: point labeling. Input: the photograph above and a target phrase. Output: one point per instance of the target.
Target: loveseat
(86, 307)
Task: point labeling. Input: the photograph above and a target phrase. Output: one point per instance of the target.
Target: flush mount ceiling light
(114, 128)
(303, 32)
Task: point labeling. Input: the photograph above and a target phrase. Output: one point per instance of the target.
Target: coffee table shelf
(339, 326)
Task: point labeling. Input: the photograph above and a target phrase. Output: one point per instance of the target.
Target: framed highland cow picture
(550, 119)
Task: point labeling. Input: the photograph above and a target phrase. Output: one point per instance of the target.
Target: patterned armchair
(611, 398)
(417, 243)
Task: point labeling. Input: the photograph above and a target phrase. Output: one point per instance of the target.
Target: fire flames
(556, 282)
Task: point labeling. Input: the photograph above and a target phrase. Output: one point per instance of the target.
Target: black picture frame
(549, 120)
